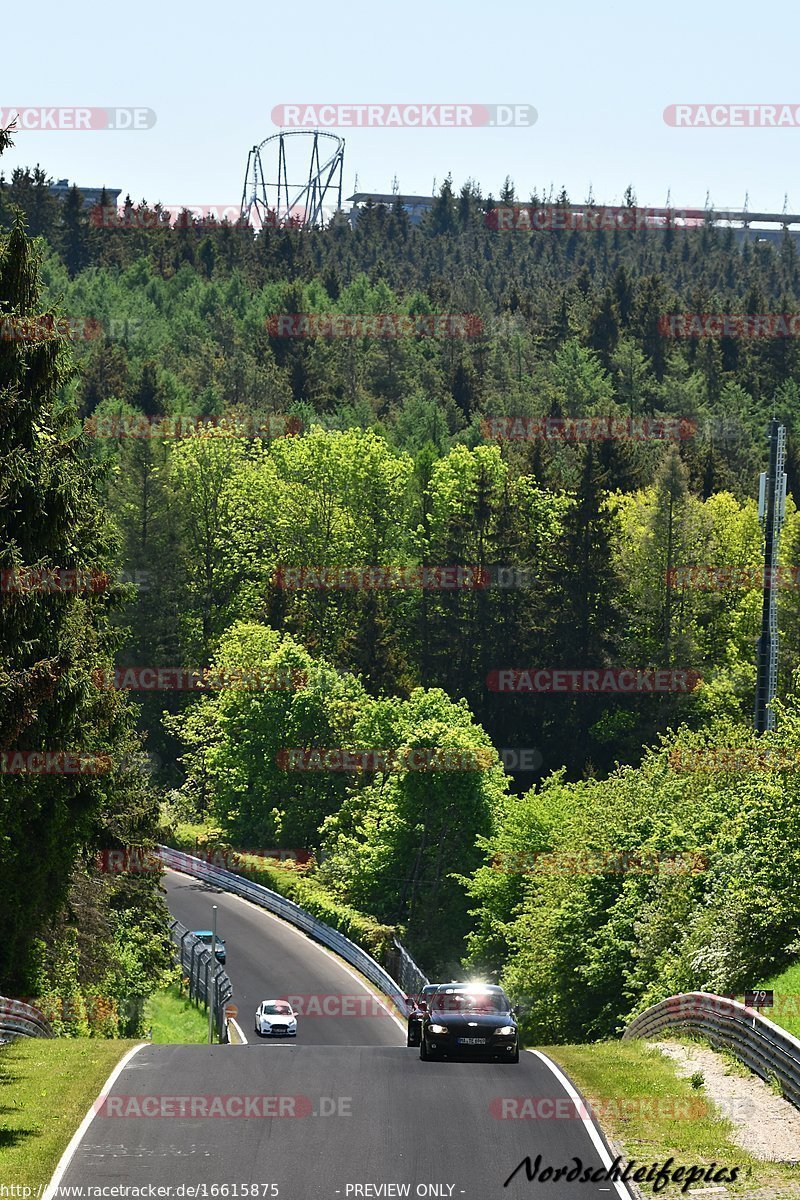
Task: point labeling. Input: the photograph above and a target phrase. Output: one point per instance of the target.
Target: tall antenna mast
(771, 511)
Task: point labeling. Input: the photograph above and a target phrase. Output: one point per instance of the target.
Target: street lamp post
(212, 985)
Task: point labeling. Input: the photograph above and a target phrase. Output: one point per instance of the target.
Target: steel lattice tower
(280, 201)
(771, 510)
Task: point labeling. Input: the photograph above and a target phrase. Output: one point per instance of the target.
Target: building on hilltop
(416, 206)
(91, 195)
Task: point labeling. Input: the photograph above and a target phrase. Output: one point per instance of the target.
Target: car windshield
(470, 1002)
(276, 1009)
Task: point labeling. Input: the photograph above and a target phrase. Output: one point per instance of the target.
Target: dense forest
(230, 482)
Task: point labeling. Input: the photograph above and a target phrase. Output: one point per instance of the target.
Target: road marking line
(77, 1137)
(232, 1021)
(590, 1127)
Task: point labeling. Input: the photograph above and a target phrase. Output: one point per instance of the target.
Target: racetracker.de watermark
(407, 758)
(200, 217)
(548, 218)
(587, 429)
(736, 759)
(708, 578)
(20, 581)
(520, 758)
(742, 326)
(615, 1108)
(53, 762)
(138, 425)
(547, 681)
(427, 578)
(44, 118)
(49, 328)
(185, 679)
(622, 862)
(403, 116)
(338, 1004)
(373, 325)
(689, 1006)
(167, 216)
(225, 1105)
(140, 860)
(732, 116)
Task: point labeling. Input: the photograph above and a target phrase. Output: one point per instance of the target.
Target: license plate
(472, 1041)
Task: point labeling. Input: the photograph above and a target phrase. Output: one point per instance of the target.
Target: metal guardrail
(229, 881)
(18, 1019)
(205, 979)
(765, 1048)
(411, 979)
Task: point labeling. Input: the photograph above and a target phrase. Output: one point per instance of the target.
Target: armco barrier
(207, 981)
(18, 1019)
(406, 972)
(765, 1048)
(229, 881)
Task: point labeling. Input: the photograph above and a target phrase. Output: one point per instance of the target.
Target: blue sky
(599, 76)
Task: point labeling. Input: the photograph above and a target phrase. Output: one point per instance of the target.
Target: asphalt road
(346, 1111)
(392, 1119)
(270, 960)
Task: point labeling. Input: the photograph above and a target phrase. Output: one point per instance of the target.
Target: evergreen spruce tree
(671, 496)
(585, 615)
(74, 233)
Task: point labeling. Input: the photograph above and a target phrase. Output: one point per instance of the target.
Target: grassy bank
(175, 1019)
(786, 1012)
(46, 1089)
(651, 1114)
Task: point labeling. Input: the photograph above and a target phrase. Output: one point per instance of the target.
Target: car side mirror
(423, 1004)
(516, 1010)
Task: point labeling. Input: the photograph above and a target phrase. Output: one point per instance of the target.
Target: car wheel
(515, 1056)
(412, 1039)
(423, 1049)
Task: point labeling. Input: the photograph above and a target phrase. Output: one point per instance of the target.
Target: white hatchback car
(276, 1018)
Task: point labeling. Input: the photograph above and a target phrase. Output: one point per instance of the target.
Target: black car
(469, 1019)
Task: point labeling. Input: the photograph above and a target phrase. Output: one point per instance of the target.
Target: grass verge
(651, 1114)
(786, 1012)
(175, 1019)
(46, 1088)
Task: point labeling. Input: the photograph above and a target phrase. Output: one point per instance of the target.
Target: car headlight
(265, 1024)
(437, 1029)
(292, 1022)
(506, 1031)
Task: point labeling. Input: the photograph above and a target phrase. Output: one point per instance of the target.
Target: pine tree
(75, 233)
(148, 396)
(671, 494)
(585, 629)
(604, 328)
